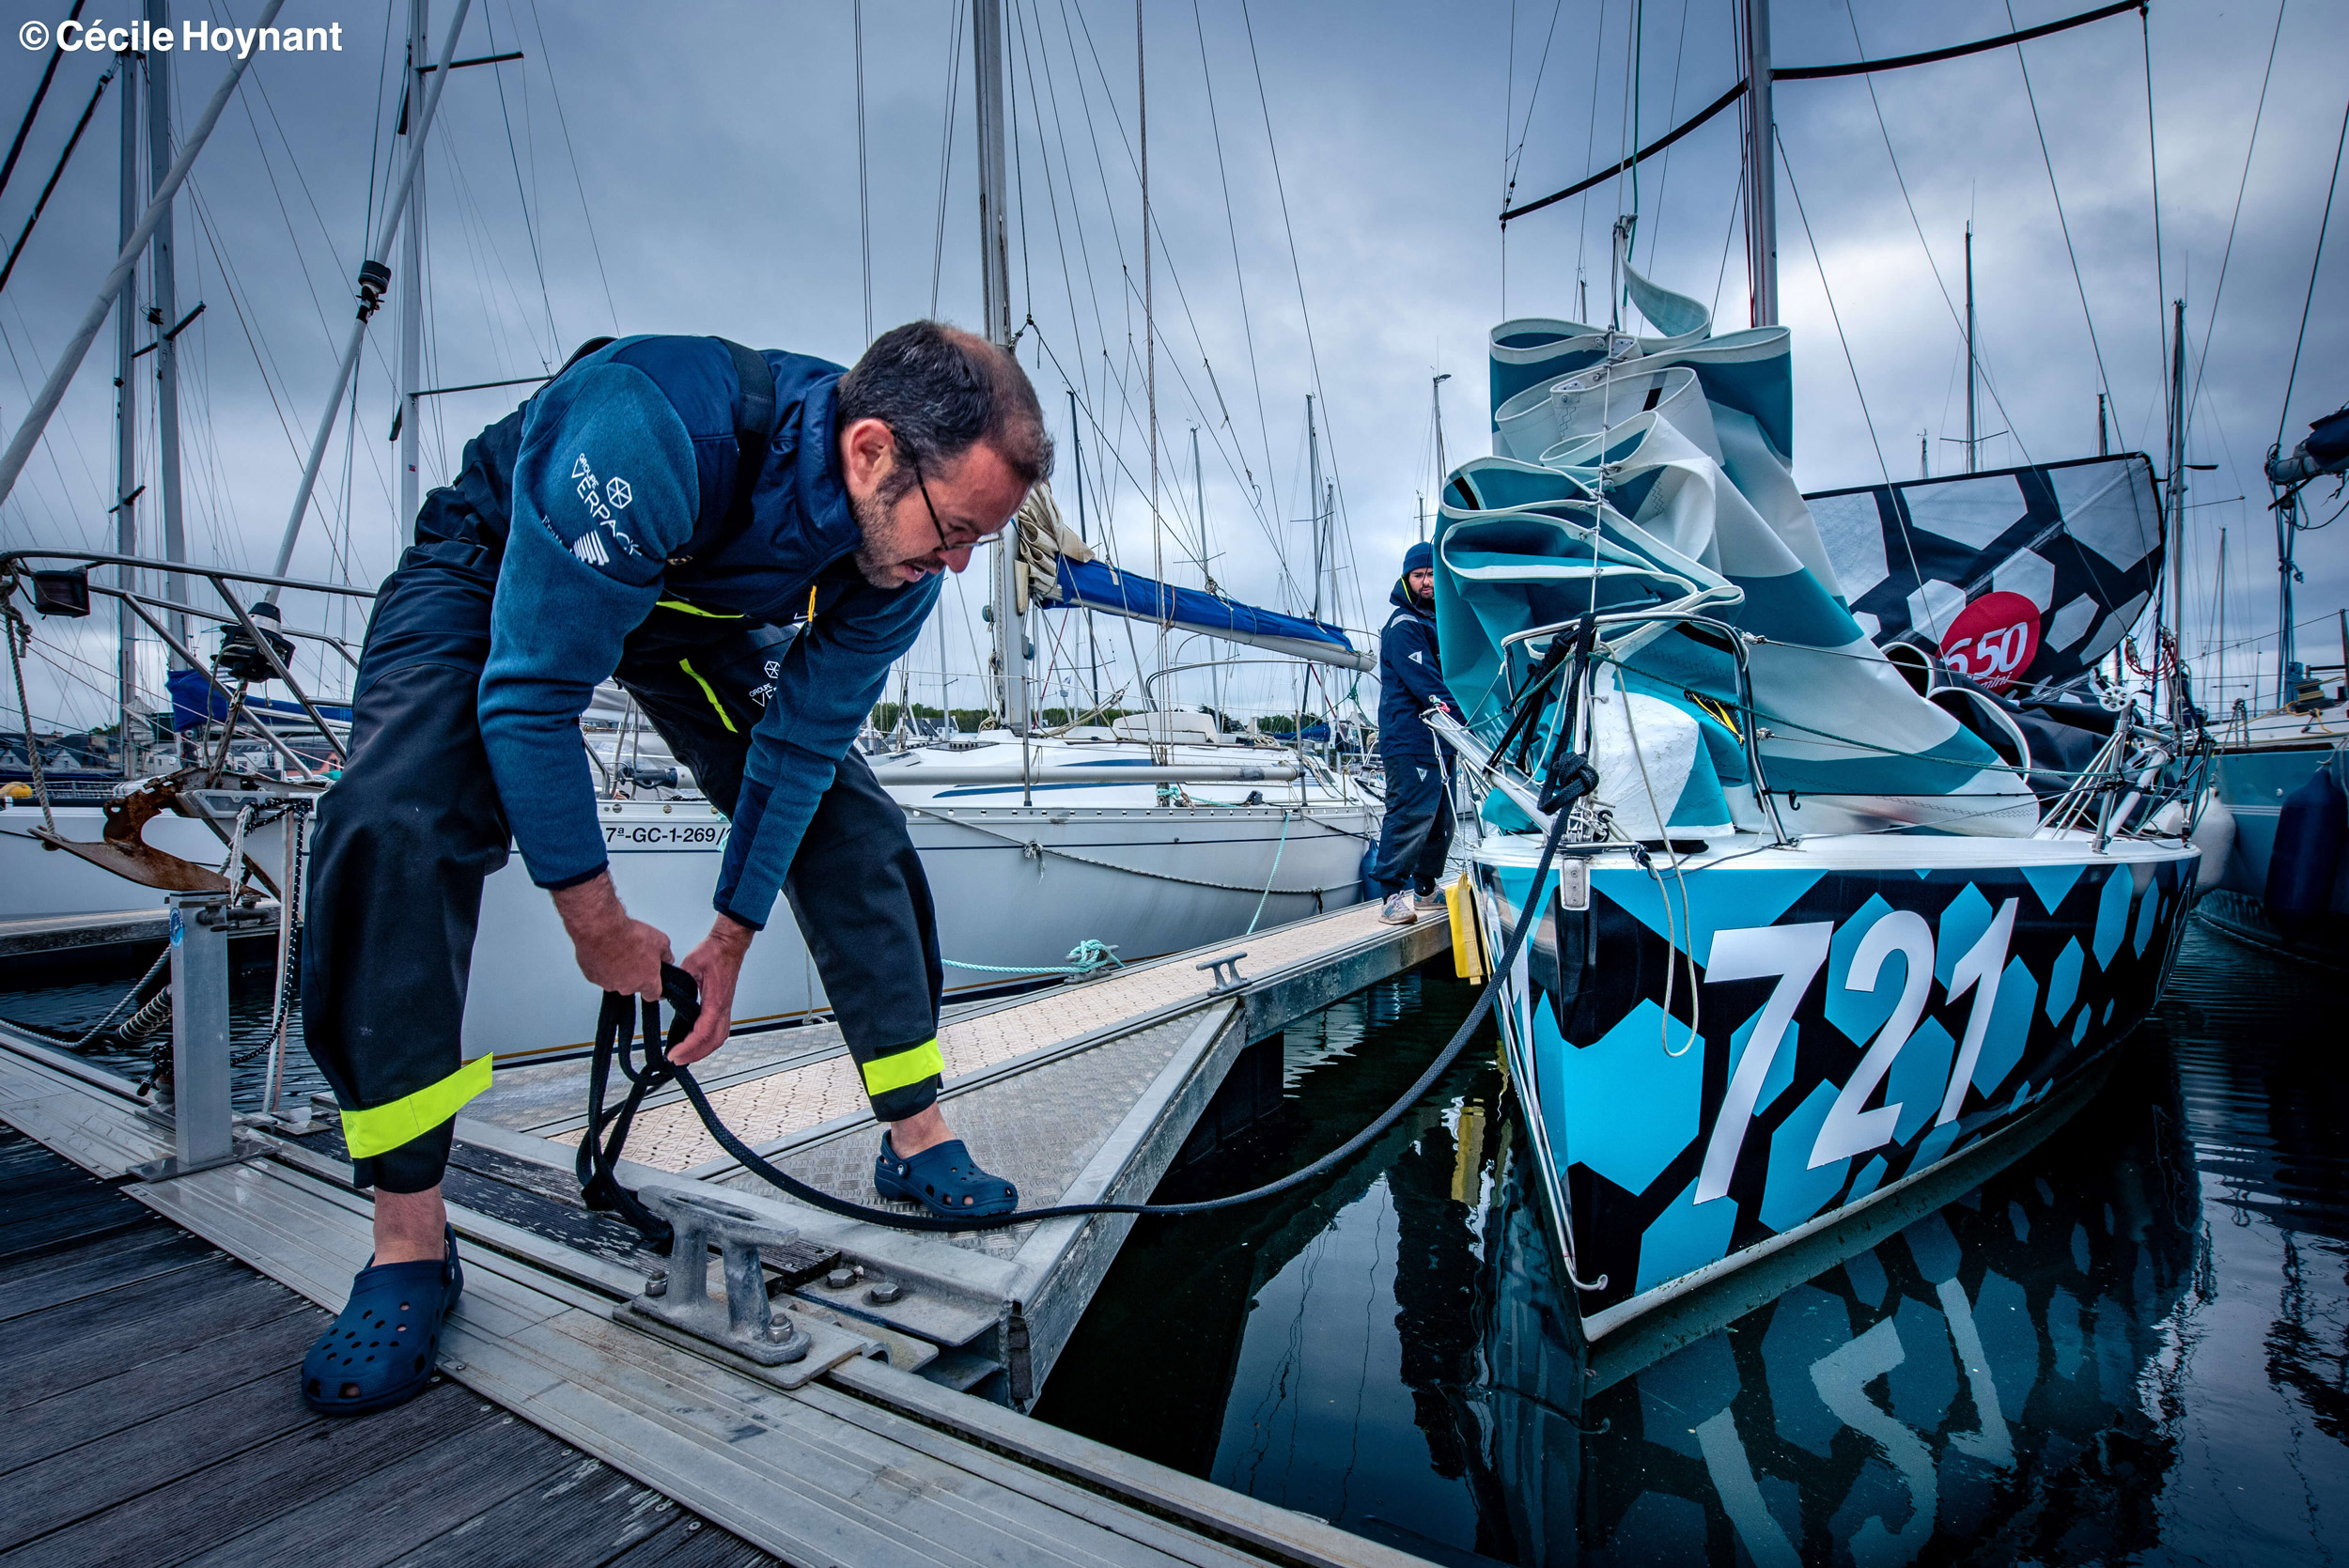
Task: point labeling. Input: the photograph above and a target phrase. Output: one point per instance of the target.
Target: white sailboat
(1049, 853)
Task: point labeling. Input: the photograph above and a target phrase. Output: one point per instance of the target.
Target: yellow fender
(1468, 937)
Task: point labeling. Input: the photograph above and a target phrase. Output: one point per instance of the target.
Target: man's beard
(872, 517)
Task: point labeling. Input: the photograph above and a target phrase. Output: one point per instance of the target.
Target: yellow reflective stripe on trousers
(697, 609)
(367, 1133)
(687, 665)
(913, 1065)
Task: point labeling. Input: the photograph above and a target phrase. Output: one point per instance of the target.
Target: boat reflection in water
(2127, 1346)
(1994, 1375)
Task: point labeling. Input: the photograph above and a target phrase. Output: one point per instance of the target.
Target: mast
(126, 427)
(1008, 628)
(1206, 576)
(1442, 468)
(1076, 449)
(165, 315)
(1149, 329)
(2175, 524)
(412, 298)
(1312, 458)
(1973, 448)
(375, 280)
(2218, 677)
(2104, 441)
(1760, 167)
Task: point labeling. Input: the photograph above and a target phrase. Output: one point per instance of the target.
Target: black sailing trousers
(407, 836)
(1415, 835)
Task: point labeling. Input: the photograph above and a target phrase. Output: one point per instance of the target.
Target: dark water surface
(2131, 1346)
(68, 1008)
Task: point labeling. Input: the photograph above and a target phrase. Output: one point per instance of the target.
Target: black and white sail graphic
(2018, 577)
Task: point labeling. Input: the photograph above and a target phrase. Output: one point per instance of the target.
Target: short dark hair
(942, 390)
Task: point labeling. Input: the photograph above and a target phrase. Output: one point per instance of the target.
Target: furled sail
(1057, 570)
(196, 701)
(2021, 577)
(1648, 476)
(1098, 586)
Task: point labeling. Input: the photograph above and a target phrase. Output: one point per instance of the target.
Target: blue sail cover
(1096, 585)
(197, 701)
(1653, 475)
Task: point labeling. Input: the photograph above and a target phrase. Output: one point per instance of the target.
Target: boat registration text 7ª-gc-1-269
(622, 835)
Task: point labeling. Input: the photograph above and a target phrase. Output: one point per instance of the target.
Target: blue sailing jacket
(612, 467)
(1410, 680)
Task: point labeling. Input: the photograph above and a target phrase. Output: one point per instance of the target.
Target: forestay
(1651, 474)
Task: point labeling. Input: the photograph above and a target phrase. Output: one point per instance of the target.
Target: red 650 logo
(1993, 640)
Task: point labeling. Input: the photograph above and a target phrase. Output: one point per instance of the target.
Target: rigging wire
(1312, 352)
(1515, 158)
(31, 110)
(1240, 276)
(864, 192)
(41, 202)
(2065, 224)
(2153, 165)
(2210, 328)
(530, 226)
(375, 145)
(1956, 322)
(1018, 176)
(1833, 315)
(1672, 115)
(595, 246)
(1163, 251)
(1508, 118)
(1052, 190)
(946, 148)
(1590, 141)
(1634, 59)
(2284, 414)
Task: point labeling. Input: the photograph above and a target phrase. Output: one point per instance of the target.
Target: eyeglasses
(945, 545)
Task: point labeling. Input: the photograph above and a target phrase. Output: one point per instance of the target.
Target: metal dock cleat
(1227, 975)
(678, 1305)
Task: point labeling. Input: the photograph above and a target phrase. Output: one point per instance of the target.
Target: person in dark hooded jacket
(1416, 832)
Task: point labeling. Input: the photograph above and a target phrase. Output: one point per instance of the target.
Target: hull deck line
(911, 1448)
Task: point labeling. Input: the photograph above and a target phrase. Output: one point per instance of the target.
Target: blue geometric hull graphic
(1853, 1027)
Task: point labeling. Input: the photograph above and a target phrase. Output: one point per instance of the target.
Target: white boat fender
(2214, 837)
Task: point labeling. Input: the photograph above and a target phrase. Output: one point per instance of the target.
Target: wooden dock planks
(150, 1416)
(870, 1464)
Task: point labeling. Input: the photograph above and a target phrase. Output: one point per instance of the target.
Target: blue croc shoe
(944, 1179)
(380, 1351)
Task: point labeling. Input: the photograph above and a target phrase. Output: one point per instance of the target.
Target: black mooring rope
(606, 1135)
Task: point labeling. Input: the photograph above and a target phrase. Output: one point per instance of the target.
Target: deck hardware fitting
(1227, 975)
(745, 1323)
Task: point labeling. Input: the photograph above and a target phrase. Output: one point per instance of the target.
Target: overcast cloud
(694, 169)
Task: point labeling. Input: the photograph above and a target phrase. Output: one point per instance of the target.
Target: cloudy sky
(1324, 182)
